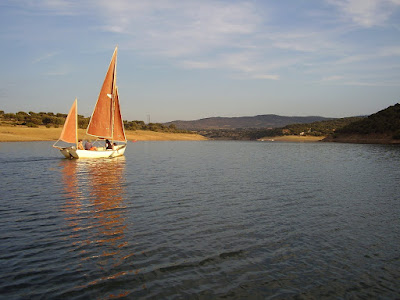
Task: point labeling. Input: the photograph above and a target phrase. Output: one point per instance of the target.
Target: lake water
(203, 220)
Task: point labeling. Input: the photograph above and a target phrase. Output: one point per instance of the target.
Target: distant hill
(384, 121)
(260, 121)
(381, 127)
(319, 129)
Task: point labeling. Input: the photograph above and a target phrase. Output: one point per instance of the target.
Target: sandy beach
(26, 134)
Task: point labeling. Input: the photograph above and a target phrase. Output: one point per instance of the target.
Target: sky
(193, 59)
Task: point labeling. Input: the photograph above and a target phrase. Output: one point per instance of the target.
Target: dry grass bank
(295, 138)
(26, 134)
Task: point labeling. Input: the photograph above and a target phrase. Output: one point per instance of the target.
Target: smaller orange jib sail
(69, 132)
(118, 132)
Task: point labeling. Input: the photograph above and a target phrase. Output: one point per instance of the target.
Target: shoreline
(293, 138)
(375, 138)
(27, 134)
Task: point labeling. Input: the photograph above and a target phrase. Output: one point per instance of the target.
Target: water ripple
(202, 220)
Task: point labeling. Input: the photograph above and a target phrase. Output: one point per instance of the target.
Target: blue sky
(186, 60)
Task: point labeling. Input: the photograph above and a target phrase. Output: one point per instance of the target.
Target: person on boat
(80, 145)
(88, 145)
(93, 148)
(108, 145)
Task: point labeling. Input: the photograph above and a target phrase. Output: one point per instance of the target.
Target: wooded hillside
(320, 128)
(386, 121)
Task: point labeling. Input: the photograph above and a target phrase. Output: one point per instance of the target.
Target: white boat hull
(72, 152)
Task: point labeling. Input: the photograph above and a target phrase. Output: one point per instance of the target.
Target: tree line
(386, 121)
(49, 119)
(140, 125)
(32, 119)
(319, 128)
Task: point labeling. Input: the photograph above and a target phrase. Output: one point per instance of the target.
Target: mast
(76, 124)
(112, 118)
(113, 95)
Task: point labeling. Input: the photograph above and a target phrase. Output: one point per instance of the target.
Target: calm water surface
(204, 220)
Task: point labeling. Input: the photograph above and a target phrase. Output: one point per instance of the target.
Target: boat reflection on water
(95, 212)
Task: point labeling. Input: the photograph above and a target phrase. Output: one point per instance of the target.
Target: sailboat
(105, 123)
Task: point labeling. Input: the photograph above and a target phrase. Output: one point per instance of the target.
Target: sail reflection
(107, 192)
(95, 210)
(72, 203)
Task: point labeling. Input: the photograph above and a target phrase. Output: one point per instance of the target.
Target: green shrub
(396, 135)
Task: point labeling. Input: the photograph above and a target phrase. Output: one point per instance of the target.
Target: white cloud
(180, 28)
(198, 34)
(366, 13)
(190, 64)
(46, 56)
(303, 40)
(54, 7)
(57, 73)
(238, 36)
(333, 78)
(389, 51)
(267, 76)
(372, 83)
(247, 63)
(374, 54)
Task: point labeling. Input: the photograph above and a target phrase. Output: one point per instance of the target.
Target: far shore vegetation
(314, 131)
(52, 120)
(46, 126)
(383, 126)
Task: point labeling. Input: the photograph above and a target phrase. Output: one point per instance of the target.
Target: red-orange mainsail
(101, 122)
(69, 132)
